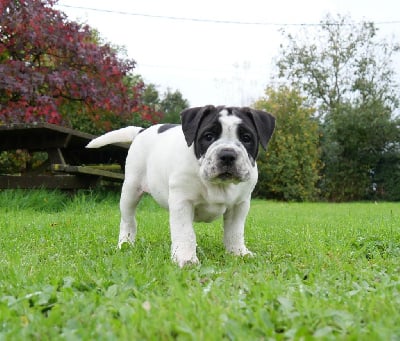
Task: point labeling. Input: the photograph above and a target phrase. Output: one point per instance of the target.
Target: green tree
(288, 170)
(172, 105)
(346, 71)
(151, 96)
(357, 140)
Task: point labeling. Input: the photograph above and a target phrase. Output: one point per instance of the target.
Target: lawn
(321, 271)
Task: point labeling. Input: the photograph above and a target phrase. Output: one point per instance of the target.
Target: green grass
(321, 271)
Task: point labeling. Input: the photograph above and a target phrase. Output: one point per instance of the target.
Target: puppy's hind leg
(130, 197)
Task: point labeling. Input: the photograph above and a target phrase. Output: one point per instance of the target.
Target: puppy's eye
(246, 138)
(209, 137)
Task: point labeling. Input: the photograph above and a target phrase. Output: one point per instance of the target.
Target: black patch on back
(166, 127)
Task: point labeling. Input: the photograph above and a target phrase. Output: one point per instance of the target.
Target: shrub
(289, 169)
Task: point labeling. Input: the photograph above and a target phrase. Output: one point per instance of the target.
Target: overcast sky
(208, 49)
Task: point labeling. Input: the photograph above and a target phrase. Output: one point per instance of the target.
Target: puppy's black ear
(264, 123)
(191, 119)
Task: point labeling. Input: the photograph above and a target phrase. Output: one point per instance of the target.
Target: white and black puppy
(199, 171)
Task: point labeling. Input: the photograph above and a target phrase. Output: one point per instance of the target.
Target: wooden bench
(69, 164)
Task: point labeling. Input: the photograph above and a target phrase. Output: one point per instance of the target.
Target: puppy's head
(226, 140)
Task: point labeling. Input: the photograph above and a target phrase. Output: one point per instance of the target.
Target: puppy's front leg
(183, 247)
(234, 220)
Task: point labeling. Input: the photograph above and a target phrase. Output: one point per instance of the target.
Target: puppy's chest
(208, 212)
(215, 201)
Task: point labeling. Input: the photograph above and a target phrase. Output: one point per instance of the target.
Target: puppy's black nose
(227, 157)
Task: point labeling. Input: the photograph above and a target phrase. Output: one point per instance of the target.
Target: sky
(220, 52)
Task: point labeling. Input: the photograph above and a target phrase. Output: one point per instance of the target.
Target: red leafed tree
(55, 70)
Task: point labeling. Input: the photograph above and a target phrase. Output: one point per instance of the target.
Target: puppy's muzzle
(227, 168)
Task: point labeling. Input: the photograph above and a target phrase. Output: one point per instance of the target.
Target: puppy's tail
(123, 135)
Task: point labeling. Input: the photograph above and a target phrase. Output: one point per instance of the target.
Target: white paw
(129, 239)
(182, 262)
(184, 256)
(240, 251)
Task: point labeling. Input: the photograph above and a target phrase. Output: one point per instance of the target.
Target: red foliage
(49, 65)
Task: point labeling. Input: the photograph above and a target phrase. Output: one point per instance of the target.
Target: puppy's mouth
(227, 177)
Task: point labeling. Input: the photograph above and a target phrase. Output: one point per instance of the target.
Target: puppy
(200, 170)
